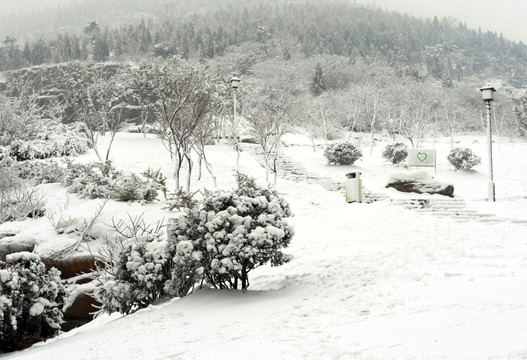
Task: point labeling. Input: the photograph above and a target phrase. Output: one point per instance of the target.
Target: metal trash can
(353, 187)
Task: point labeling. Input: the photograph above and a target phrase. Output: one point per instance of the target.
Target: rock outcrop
(420, 182)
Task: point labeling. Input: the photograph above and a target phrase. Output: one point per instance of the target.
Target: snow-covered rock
(420, 182)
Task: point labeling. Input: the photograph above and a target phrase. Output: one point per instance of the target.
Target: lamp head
(487, 93)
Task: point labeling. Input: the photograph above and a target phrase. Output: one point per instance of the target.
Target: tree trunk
(244, 278)
(209, 169)
(372, 138)
(200, 160)
(112, 136)
(266, 161)
(189, 173)
(177, 169)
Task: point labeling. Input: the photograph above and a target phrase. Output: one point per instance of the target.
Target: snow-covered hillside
(368, 281)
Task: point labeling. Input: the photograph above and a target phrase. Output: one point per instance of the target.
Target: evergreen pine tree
(318, 85)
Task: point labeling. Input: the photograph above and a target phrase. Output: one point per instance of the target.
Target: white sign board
(422, 157)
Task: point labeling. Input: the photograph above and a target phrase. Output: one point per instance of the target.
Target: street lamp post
(487, 94)
(235, 82)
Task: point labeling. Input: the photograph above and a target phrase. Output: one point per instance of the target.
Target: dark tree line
(446, 50)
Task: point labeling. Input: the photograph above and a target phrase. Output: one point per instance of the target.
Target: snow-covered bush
(463, 158)
(102, 180)
(52, 140)
(20, 202)
(134, 276)
(344, 153)
(30, 131)
(31, 301)
(228, 235)
(180, 199)
(133, 188)
(8, 176)
(395, 153)
(40, 171)
(92, 180)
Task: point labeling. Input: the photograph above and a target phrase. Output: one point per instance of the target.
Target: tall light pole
(487, 94)
(235, 82)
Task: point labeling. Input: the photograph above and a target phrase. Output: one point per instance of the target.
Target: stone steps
(294, 171)
(454, 208)
(447, 207)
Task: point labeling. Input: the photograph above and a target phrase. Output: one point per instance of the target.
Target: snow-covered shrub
(20, 202)
(180, 199)
(8, 176)
(30, 131)
(133, 188)
(4, 153)
(395, 153)
(463, 158)
(40, 171)
(134, 276)
(102, 180)
(157, 179)
(53, 140)
(344, 153)
(31, 301)
(228, 235)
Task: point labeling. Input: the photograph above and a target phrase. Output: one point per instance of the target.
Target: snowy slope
(368, 281)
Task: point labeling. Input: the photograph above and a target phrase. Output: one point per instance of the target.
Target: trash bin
(353, 187)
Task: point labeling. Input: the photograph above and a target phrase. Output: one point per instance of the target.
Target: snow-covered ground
(368, 281)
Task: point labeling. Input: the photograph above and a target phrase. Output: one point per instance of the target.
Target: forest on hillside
(323, 65)
(435, 47)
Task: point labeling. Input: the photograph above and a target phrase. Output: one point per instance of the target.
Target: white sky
(506, 16)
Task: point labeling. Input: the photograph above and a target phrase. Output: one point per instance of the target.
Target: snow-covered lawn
(368, 281)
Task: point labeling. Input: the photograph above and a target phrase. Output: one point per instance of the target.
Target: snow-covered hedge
(31, 301)
(136, 277)
(40, 171)
(228, 235)
(103, 180)
(395, 153)
(52, 140)
(344, 153)
(463, 158)
(218, 242)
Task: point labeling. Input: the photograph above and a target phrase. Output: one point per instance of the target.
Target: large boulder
(80, 311)
(10, 244)
(82, 305)
(72, 265)
(420, 182)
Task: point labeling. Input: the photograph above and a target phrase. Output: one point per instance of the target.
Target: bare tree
(352, 109)
(185, 95)
(106, 102)
(144, 94)
(416, 120)
(504, 119)
(372, 108)
(270, 119)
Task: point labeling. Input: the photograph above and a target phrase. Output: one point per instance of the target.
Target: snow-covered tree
(228, 235)
(31, 301)
(185, 94)
(272, 115)
(134, 275)
(144, 94)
